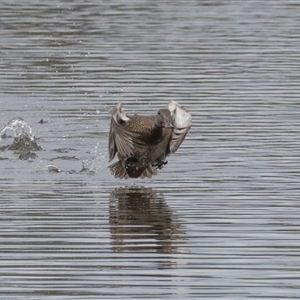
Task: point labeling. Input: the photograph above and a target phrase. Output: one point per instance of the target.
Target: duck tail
(118, 170)
(148, 172)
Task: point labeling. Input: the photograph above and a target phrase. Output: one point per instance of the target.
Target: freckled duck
(143, 142)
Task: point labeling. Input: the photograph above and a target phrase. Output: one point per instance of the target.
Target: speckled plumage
(143, 142)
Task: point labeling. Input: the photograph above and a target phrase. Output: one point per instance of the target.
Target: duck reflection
(140, 220)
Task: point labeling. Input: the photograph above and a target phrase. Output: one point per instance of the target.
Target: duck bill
(168, 125)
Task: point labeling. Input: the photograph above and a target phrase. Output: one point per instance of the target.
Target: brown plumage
(143, 142)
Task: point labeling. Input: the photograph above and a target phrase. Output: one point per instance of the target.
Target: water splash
(20, 127)
(92, 164)
(24, 138)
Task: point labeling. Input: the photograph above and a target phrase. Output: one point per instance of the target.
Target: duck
(142, 143)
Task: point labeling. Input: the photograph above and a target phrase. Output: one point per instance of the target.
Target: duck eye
(158, 113)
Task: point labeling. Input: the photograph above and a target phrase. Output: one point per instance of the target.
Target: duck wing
(182, 122)
(122, 140)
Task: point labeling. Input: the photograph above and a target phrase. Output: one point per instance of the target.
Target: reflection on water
(141, 220)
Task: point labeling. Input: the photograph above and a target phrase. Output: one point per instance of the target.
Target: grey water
(221, 220)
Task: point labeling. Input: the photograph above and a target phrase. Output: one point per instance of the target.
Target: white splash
(20, 128)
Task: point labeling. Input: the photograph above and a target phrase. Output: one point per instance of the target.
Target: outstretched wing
(182, 122)
(122, 140)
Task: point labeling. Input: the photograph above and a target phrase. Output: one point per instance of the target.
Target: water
(221, 220)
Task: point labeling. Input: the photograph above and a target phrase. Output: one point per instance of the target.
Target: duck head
(164, 119)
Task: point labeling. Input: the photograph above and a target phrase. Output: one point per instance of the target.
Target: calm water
(221, 221)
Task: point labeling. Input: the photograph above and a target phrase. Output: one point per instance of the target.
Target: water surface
(221, 220)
